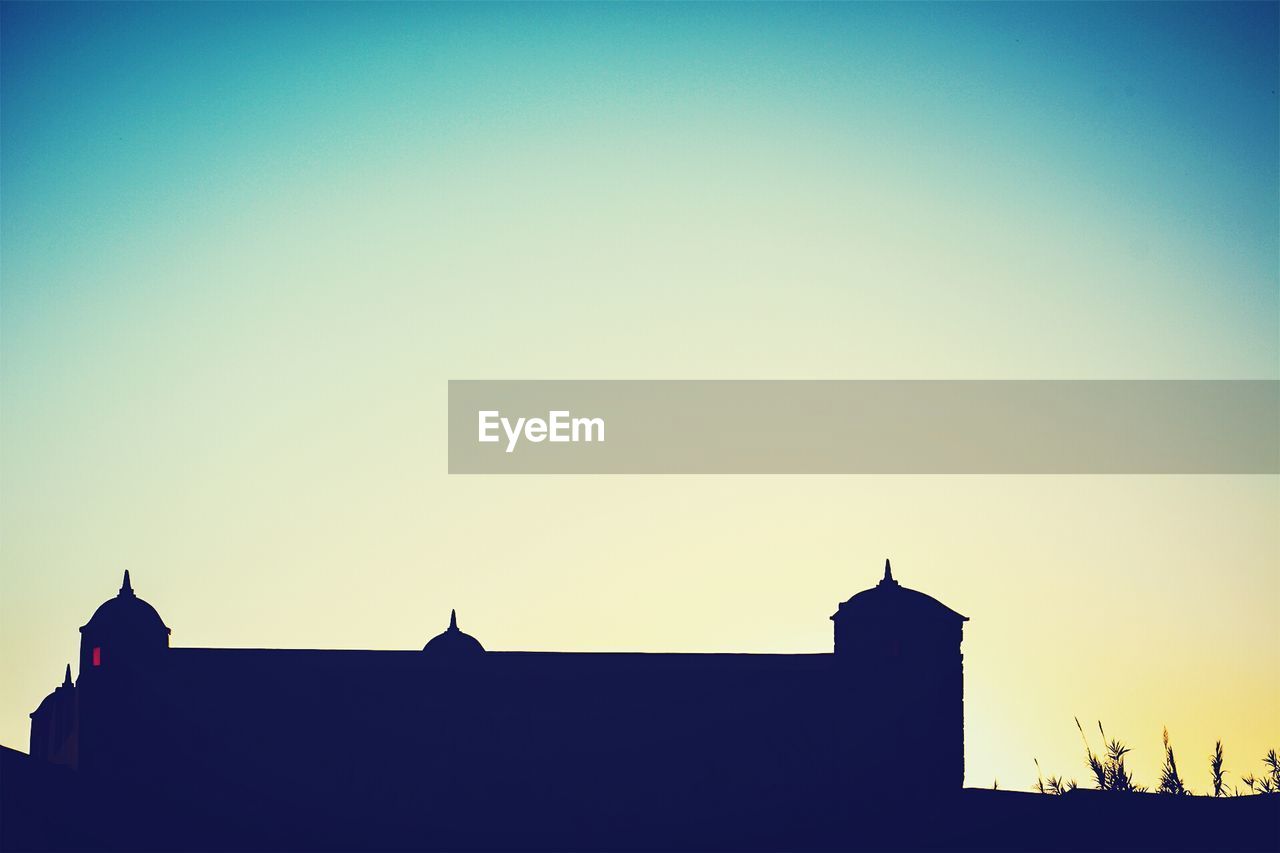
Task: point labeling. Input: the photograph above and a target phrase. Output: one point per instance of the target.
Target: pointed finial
(453, 620)
(888, 570)
(126, 588)
(66, 679)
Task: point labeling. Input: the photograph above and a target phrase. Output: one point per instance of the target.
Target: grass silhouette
(1107, 767)
(1216, 774)
(1170, 781)
(1268, 782)
(1053, 784)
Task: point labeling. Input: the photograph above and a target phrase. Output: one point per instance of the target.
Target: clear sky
(245, 246)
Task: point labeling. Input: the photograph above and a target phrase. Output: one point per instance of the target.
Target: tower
(122, 660)
(53, 725)
(123, 632)
(900, 649)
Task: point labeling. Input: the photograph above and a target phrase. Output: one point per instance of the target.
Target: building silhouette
(458, 747)
(427, 743)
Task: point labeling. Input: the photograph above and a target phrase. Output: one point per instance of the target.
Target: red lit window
(97, 655)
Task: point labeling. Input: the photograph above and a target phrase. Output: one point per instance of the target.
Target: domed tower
(53, 725)
(901, 648)
(452, 644)
(122, 673)
(124, 631)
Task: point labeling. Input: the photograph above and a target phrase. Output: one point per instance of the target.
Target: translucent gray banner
(864, 427)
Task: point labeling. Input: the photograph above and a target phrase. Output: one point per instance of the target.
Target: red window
(97, 655)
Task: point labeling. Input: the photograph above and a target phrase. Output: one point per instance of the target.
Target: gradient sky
(245, 246)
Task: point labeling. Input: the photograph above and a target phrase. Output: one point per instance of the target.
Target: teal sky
(1098, 180)
(244, 246)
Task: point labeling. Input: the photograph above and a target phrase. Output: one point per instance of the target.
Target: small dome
(890, 599)
(126, 613)
(52, 699)
(453, 642)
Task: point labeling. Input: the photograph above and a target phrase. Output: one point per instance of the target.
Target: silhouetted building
(455, 743)
(54, 725)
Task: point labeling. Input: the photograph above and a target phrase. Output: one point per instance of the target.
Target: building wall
(407, 740)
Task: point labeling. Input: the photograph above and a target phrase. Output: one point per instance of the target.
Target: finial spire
(126, 588)
(453, 620)
(888, 570)
(66, 679)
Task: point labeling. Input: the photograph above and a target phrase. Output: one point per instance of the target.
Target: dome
(126, 613)
(453, 642)
(893, 600)
(52, 699)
